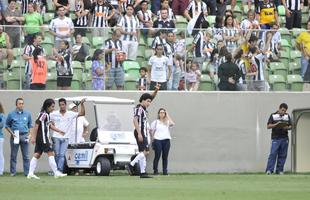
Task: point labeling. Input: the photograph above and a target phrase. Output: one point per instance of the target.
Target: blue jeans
(277, 154)
(24, 146)
(161, 147)
(173, 83)
(60, 146)
(155, 6)
(304, 65)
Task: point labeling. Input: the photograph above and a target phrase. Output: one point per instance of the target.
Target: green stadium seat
(295, 82)
(189, 41)
(87, 80)
(297, 31)
(50, 6)
(281, 10)
(285, 58)
(181, 22)
(130, 82)
(48, 40)
(246, 9)
(144, 64)
(13, 80)
(286, 45)
(76, 81)
(48, 44)
(128, 64)
(277, 82)
(17, 52)
(97, 42)
(18, 64)
(181, 26)
(278, 68)
(85, 40)
(148, 53)
(149, 42)
(51, 81)
(295, 54)
(51, 65)
(77, 70)
(141, 52)
(180, 19)
(141, 49)
(211, 19)
(285, 34)
(88, 66)
(206, 83)
(134, 72)
(237, 13)
(72, 16)
(48, 17)
(294, 67)
(91, 52)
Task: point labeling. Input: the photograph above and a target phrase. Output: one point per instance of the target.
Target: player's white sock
(33, 165)
(142, 164)
(52, 163)
(137, 158)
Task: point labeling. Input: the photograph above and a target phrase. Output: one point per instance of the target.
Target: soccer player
(40, 138)
(140, 122)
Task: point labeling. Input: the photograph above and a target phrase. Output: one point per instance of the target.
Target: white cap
(71, 106)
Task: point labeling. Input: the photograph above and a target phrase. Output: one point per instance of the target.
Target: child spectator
(180, 45)
(193, 77)
(142, 81)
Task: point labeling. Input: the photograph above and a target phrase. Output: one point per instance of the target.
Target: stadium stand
(289, 64)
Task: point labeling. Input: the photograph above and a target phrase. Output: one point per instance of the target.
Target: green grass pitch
(174, 187)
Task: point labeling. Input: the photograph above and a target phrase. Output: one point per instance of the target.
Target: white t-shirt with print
(63, 122)
(159, 68)
(62, 27)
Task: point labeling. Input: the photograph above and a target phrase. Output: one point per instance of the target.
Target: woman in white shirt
(161, 139)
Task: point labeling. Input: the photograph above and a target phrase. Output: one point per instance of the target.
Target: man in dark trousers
(229, 74)
(280, 123)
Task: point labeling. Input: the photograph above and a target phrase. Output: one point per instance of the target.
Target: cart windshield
(114, 117)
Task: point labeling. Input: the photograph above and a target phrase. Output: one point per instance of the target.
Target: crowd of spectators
(175, 42)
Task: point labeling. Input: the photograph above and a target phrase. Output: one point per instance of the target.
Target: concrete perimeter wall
(214, 132)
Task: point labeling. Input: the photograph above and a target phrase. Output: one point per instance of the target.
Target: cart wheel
(136, 168)
(102, 166)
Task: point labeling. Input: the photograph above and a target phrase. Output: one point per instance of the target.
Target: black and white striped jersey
(258, 61)
(141, 114)
(230, 32)
(124, 4)
(43, 122)
(146, 16)
(28, 50)
(81, 6)
(64, 67)
(195, 8)
(199, 44)
(129, 24)
(100, 12)
(241, 65)
(111, 57)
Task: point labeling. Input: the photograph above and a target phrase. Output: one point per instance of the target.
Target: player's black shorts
(41, 147)
(144, 145)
